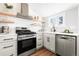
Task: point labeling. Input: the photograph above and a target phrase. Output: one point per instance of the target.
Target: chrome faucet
(53, 29)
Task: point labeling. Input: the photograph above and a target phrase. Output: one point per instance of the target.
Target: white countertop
(73, 34)
(2, 34)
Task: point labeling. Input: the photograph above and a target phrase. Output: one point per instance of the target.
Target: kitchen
(27, 28)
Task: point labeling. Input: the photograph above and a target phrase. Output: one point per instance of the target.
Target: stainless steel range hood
(24, 12)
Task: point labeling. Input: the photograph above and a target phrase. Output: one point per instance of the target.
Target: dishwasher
(66, 45)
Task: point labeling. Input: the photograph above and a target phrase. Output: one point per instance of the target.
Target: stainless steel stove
(26, 41)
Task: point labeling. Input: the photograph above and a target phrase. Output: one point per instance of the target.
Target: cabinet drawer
(8, 52)
(8, 45)
(39, 38)
(39, 45)
(8, 49)
(7, 38)
(40, 41)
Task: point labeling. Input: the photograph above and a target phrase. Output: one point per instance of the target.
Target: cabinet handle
(39, 39)
(48, 39)
(8, 39)
(64, 38)
(8, 46)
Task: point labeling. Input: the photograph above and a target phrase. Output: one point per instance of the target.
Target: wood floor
(43, 52)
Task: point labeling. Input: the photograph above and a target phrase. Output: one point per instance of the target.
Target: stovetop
(24, 32)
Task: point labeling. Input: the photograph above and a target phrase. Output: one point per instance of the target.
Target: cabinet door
(39, 45)
(8, 38)
(39, 41)
(52, 42)
(9, 52)
(47, 41)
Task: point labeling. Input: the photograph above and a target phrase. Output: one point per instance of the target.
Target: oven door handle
(19, 39)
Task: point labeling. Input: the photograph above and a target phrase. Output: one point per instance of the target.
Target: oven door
(26, 44)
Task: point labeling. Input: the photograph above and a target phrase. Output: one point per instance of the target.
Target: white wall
(58, 27)
(70, 21)
(78, 20)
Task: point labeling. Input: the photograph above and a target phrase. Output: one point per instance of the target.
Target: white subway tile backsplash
(18, 22)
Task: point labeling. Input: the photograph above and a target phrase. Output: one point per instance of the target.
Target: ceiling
(47, 9)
